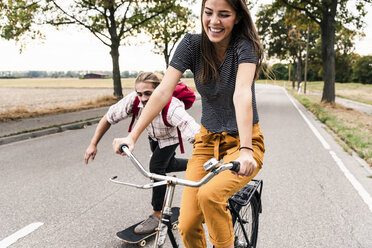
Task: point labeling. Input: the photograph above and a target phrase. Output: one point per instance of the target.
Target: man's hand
(90, 152)
(118, 142)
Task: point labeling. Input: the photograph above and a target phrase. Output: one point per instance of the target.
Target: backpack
(183, 93)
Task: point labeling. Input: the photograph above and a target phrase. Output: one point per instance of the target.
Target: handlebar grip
(236, 166)
(122, 147)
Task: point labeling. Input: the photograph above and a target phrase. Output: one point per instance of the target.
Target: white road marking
(317, 134)
(20, 234)
(356, 184)
(362, 192)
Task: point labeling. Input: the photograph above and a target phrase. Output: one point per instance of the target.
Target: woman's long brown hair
(245, 28)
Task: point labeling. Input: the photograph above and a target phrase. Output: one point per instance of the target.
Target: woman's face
(218, 20)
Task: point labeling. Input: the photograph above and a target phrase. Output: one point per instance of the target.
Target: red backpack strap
(180, 140)
(134, 112)
(164, 114)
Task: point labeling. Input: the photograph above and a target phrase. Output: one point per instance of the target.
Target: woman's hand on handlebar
(118, 142)
(247, 163)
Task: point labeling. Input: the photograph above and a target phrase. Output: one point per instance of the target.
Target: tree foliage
(17, 19)
(168, 27)
(328, 14)
(110, 21)
(285, 35)
(362, 70)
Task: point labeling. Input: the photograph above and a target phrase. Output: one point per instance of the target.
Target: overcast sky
(76, 49)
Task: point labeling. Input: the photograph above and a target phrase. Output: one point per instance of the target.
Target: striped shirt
(157, 130)
(218, 111)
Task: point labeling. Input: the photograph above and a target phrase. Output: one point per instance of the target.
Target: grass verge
(352, 127)
(353, 91)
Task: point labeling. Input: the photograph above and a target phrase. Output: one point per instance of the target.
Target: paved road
(362, 107)
(308, 201)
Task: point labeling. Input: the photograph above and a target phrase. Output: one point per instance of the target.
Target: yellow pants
(208, 204)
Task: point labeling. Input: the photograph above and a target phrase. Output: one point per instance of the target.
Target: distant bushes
(362, 70)
(356, 69)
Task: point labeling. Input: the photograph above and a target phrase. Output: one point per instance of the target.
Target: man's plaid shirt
(157, 130)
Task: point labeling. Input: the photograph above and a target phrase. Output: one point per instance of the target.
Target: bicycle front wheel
(245, 222)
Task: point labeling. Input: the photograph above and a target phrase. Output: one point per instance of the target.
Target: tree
(280, 71)
(16, 19)
(326, 14)
(344, 54)
(284, 31)
(168, 27)
(111, 21)
(362, 70)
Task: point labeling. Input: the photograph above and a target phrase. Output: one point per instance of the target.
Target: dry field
(34, 99)
(30, 97)
(21, 98)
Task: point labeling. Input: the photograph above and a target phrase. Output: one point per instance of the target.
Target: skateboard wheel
(143, 243)
(174, 226)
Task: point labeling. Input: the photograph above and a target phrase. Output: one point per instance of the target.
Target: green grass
(352, 127)
(352, 91)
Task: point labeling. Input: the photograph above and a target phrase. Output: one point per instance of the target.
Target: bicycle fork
(165, 225)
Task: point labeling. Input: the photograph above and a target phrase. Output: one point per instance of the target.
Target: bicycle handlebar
(234, 166)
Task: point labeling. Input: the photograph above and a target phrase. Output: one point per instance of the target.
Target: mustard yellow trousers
(208, 204)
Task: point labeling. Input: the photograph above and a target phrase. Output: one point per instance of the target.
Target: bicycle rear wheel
(245, 222)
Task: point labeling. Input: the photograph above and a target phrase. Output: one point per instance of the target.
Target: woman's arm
(244, 116)
(159, 98)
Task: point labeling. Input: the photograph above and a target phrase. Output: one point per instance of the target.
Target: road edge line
(363, 193)
(20, 234)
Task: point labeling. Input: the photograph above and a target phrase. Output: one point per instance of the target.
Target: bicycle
(245, 205)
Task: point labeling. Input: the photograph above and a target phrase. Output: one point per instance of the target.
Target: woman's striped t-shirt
(218, 112)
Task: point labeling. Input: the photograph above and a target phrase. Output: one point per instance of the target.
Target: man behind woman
(163, 139)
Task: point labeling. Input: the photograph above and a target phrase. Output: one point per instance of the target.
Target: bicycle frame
(171, 182)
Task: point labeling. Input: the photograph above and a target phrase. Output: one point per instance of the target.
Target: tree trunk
(118, 92)
(294, 74)
(307, 56)
(328, 53)
(166, 55)
(299, 69)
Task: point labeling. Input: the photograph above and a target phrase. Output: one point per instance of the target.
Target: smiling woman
(219, 19)
(229, 115)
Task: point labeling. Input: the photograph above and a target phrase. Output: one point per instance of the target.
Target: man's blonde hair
(149, 77)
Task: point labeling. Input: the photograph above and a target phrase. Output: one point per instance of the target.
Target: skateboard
(129, 236)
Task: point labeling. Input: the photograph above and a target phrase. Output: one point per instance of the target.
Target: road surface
(314, 194)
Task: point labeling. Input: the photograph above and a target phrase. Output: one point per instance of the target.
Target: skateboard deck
(129, 236)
